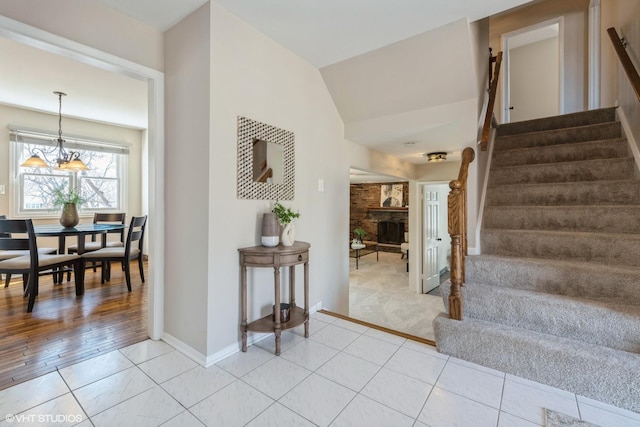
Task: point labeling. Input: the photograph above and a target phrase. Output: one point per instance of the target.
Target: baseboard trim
(183, 348)
(206, 361)
(380, 328)
(633, 144)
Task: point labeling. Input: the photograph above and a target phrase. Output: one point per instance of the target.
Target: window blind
(37, 137)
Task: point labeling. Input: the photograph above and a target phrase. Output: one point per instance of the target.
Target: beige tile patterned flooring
(379, 294)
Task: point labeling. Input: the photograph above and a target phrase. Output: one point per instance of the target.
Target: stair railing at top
(494, 75)
(619, 46)
(457, 213)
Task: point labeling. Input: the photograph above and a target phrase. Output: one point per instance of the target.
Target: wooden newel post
(455, 205)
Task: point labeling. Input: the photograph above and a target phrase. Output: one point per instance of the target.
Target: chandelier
(66, 161)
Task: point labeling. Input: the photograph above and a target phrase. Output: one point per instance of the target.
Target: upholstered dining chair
(132, 250)
(14, 254)
(94, 244)
(103, 218)
(33, 263)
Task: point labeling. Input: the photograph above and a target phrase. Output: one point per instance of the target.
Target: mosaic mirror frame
(248, 131)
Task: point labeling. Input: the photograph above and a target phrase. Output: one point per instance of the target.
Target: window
(102, 186)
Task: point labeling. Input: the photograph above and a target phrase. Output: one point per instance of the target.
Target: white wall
(93, 24)
(615, 86)
(255, 77)
(575, 48)
(187, 192)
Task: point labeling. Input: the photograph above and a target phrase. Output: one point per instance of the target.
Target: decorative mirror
(266, 163)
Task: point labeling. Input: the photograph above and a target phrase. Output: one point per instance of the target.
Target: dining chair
(94, 245)
(132, 250)
(103, 218)
(14, 254)
(33, 263)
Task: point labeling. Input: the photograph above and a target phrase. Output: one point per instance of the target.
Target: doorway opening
(380, 291)
(532, 85)
(153, 153)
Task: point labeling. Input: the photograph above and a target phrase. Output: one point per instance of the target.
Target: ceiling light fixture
(66, 161)
(438, 156)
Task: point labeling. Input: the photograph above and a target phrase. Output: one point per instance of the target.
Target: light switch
(1, 188)
(321, 185)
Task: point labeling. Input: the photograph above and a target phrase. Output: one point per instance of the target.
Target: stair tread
(572, 263)
(569, 207)
(563, 121)
(591, 370)
(568, 183)
(586, 234)
(598, 321)
(631, 360)
(558, 153)
(559, 164)
(605, 303)
(564, 144)
(571, 277)
(556, 130)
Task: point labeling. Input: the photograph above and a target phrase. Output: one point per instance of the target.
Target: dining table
(81, 231)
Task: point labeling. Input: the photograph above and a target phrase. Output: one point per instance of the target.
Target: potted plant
(285, 218)
(69, 200)
(360, 233)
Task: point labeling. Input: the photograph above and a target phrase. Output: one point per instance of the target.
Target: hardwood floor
(64, 329)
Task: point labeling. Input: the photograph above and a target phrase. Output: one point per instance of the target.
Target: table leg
(306, 299)
(357, 257)
(243, 290)
(59, 275)
(277, 326)
(292, 287)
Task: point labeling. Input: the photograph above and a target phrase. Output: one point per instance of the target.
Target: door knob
(510, 108)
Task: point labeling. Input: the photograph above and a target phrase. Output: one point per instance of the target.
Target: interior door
(430, 240)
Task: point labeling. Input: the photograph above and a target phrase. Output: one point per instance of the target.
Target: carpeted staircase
(555, 295)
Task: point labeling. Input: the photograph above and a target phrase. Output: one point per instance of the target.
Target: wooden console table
(280, 256)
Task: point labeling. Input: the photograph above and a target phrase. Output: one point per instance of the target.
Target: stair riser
(603, 374)
(585, 247)
(595, 170)
(582, 118)
(561, 153)
(559, 136)
(601, 219)
(609, 284)
(567, 194)
(588, 321)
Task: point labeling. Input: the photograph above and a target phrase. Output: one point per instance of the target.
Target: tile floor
(345, 374)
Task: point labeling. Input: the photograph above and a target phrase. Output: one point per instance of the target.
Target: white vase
(288, 235)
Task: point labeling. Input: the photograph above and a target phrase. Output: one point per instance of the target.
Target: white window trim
(15, 176)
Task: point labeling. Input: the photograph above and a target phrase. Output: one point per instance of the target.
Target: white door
(430, 240)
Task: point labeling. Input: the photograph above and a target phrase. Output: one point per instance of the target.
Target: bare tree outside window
(99, 186)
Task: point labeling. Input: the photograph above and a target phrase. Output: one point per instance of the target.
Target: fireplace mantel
(393, 209)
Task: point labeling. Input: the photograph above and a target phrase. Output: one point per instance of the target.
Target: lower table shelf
(266, 324)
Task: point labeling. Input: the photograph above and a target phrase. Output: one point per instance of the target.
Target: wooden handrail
(631, 71)
(493, 87)
(457, 213)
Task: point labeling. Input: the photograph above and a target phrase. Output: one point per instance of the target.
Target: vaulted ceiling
(338, 37)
